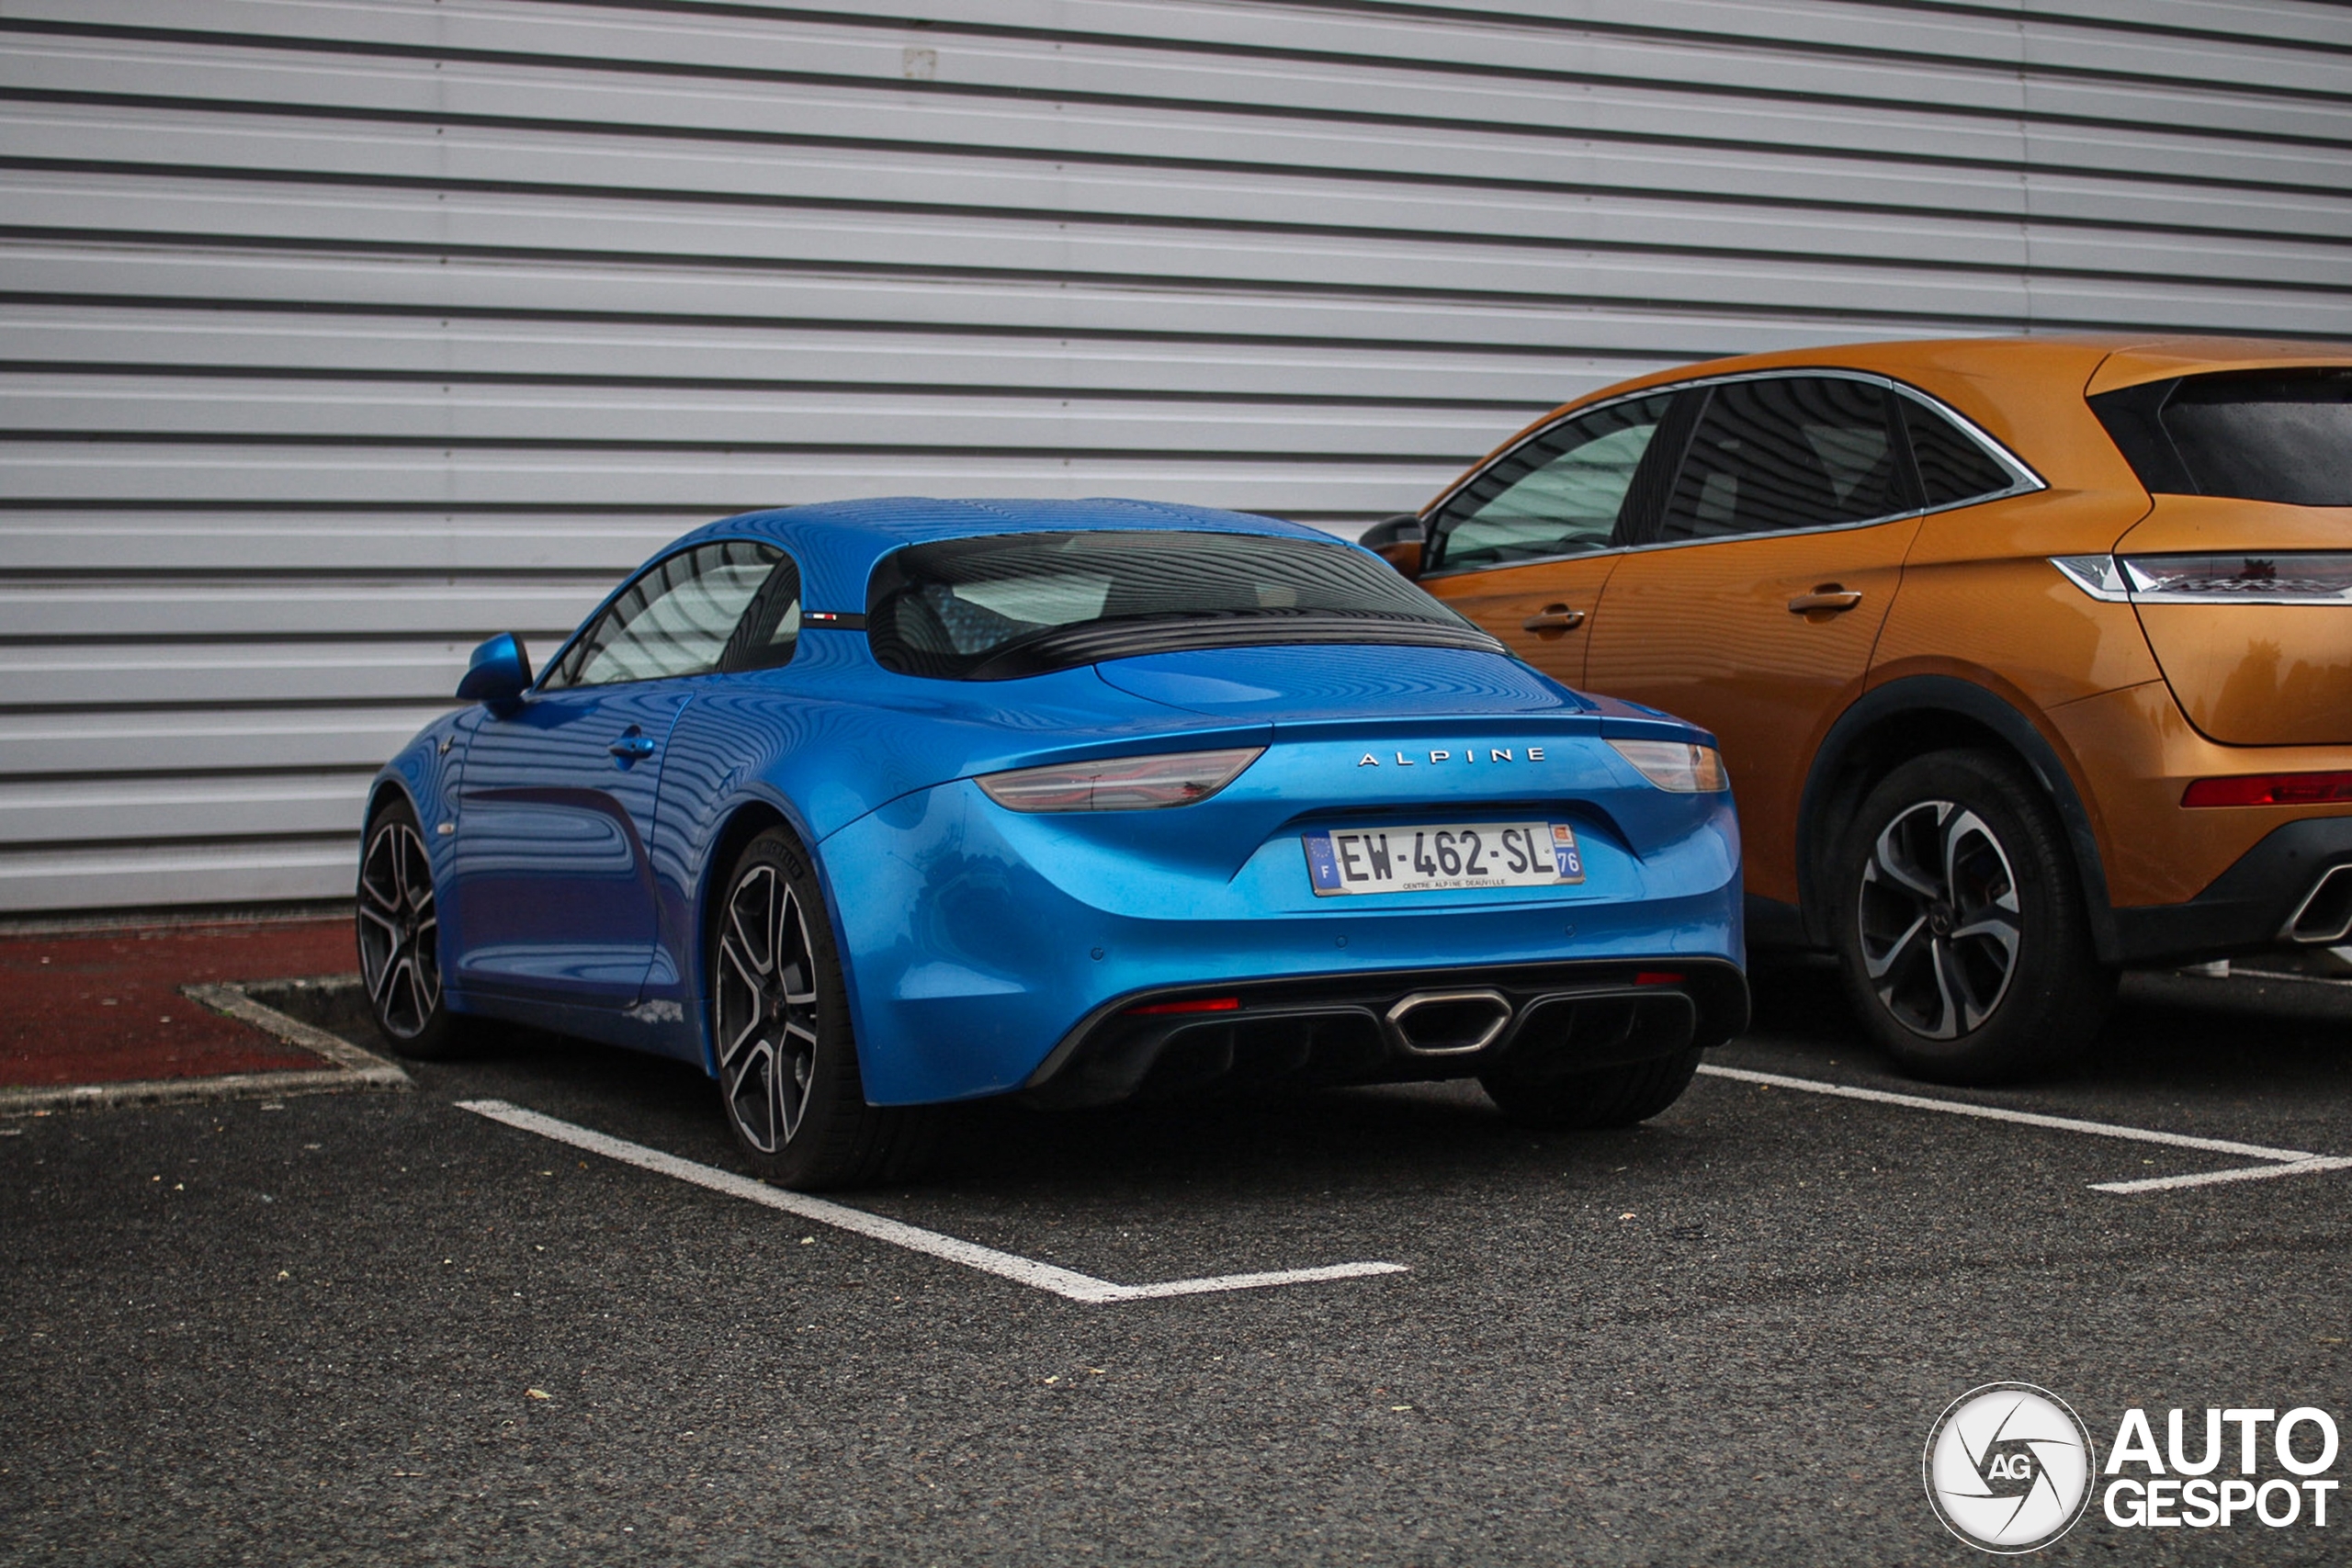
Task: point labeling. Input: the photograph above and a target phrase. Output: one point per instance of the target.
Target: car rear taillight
(2272, 577)
(1675, 764)
(2270, 789)
(1120, 783)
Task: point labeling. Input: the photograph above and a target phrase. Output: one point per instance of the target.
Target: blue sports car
(871, 805)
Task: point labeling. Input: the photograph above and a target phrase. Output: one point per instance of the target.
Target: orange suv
(2031, 658)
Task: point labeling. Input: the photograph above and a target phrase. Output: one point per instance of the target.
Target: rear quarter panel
(1979, 594)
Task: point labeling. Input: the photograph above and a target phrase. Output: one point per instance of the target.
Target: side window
(1953, 466)
(1561, 493)
(771, 629)
(675, 619)
(1784, 452)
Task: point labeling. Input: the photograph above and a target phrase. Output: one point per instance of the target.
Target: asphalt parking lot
(382, 1327)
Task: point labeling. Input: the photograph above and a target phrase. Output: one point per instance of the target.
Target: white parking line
(2287, 1162)
(2214, 1178)
(914, 1238)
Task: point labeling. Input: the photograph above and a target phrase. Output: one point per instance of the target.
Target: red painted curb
(105, 1006)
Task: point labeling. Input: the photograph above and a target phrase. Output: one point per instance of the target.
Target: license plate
(1449, 855)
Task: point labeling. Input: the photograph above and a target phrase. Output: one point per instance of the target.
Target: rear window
(2277, 436)
(1011, 604)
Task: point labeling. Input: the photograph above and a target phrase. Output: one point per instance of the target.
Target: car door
(552, 889)
(1753, 606)
(1524, 546)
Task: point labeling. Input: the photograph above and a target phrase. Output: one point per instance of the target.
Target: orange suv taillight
(2270, 789)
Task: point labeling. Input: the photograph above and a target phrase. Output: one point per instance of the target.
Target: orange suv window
(1563, 492)
(1953, 468)
(1785, 452)
(2275, 435)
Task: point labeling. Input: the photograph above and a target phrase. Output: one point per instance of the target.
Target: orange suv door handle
(1553, 618)
(1828, 596)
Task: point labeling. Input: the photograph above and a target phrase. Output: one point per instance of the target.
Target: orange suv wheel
(1962, 929)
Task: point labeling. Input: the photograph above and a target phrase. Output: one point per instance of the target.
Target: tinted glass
(1016, 604)
(1560, 493)
(1953, 466)
(675, 619)
(2274, 436)
(770, 632)
(1785, 452)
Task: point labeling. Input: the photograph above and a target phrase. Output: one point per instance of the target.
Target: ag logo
(2009, 1467)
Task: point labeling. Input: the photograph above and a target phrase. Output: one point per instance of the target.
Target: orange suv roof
(2157, 358)
(2098, 364)
(2041, 414)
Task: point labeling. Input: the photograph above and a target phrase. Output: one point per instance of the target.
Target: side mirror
(499, 672)
(1399, 540)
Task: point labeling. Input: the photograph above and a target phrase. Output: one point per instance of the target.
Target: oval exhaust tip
(1448, 1023)
(2325, 917)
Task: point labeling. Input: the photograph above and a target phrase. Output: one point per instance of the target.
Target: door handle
(1553, 618)
(1828, 596)
(632, 748)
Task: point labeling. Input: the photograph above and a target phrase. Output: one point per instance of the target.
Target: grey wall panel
(368, 607)
(754, 356)
(1321, 53)
(336, 334)
(78, 815)
(423, 284)
(112, 545)
(1639, 126)
(185, 870)
(230, 475)
(678, 419)
(2081, 225)
(190, 674)
(48, 745)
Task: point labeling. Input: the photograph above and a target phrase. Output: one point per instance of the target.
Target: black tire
(1607, 1097)
(1961, 926)
(788, 1063)
(399, 931)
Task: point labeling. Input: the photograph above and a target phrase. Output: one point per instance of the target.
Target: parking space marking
(2286, 1162)
(1062, 1281)
(2214, 1178)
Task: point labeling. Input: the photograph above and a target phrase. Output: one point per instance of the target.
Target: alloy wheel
(1939, 925)
(399, 931)
(768, 1009)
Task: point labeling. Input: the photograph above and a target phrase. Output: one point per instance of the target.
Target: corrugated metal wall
(337, 333)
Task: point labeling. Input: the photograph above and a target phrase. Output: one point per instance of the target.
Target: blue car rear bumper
(990, 944)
